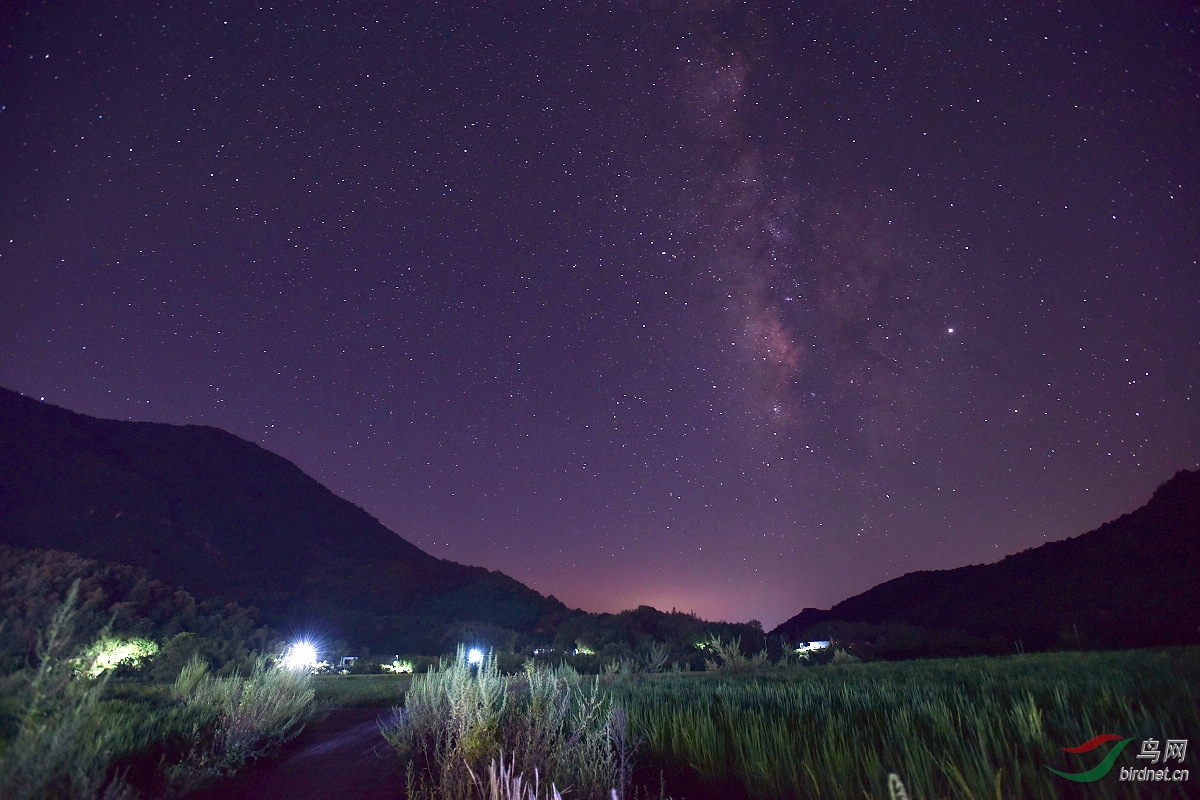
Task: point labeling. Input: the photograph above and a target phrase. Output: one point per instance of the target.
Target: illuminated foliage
(110, 652)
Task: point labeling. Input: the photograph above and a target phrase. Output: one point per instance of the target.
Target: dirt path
(340, 757)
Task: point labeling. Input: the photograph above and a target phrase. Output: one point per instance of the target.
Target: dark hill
(1132, 582)
(200, 508)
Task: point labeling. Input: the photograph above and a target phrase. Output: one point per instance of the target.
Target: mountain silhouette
(1132, 582)
(221, 517)
(199, 508)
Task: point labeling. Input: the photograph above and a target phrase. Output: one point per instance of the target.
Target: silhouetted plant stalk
(728, 657)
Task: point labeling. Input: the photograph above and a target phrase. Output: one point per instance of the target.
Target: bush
(64, 735)
(548, 724)
(250, 716)
(727, 656)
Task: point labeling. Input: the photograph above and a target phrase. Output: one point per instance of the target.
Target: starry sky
(732, 308)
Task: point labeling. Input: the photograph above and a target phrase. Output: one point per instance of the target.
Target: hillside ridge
(1133, 581)
(203, 509)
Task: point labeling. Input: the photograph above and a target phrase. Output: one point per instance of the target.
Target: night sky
(729, 308)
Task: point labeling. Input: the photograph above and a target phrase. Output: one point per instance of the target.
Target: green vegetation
(462, 726)
(60, 735)
(120, 604)
(645, 634)
(109, 652)
(728, 657)
(249, 716)
(112, 683)
(398, 666)
(65, 734)
(352, 691)
(970, 728)
(80, 721)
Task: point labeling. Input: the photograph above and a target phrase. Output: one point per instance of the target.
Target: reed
(967, 728)
(538, 730)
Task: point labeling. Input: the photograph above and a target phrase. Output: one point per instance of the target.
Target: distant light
(398, 667)
(301, 655)
(475, 656)
(950, 330)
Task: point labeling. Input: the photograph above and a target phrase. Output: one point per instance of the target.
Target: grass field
(352, 691)
(952, 728)
(966, 728)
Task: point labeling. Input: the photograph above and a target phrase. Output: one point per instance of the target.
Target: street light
(300, 656)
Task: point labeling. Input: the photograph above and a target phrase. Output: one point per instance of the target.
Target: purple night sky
(724, 307)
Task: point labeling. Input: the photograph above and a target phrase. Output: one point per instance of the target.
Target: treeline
(899, 641)
(626, 633)
(127, 601)
(131, 603)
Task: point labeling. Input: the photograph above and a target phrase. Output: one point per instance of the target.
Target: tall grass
(65, 735)
(971, 728)
(249, 716)
(65, 743)
(546, 727)
(359, 691)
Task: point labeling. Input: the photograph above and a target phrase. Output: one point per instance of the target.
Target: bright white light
(475, 656)
(301, 655)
